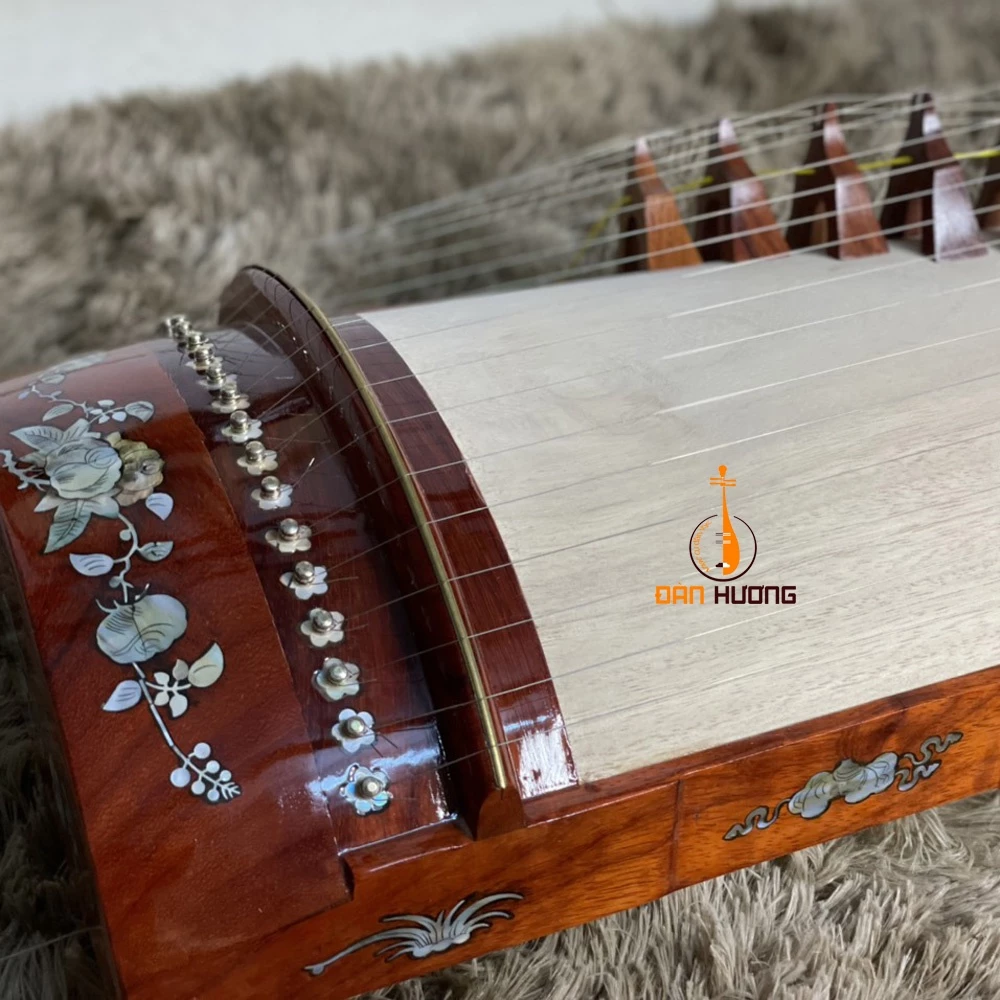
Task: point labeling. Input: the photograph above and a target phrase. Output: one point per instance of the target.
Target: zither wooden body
(381, 642)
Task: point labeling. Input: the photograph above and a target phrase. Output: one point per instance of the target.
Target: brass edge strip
(426, 534)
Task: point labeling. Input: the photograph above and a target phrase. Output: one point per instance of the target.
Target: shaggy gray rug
(113, 214)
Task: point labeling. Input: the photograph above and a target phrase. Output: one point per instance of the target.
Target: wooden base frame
(599, 849)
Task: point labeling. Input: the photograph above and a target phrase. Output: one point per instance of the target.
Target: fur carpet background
(114, 214)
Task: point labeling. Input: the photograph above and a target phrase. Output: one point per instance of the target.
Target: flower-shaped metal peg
(306, 580)
(290, 536)
(257, 459)
(240, 428)
(230, 399)
(366, 789)
(354, 730)
(337, 679)
(272, 494)
(323, 627)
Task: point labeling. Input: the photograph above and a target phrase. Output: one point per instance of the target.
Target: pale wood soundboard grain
(856, 404)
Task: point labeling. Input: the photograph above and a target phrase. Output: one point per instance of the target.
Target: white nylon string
(283, 444)
(479, 270)
(911, 262)
(800, 119)
(852, 119)
(394, 726)
(431, 258)
(615, 263)
(565, 189)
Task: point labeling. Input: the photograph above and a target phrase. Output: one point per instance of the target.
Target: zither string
(570, 191)
(915, 260)
(617, 262)
(567, 195)
(800, 122)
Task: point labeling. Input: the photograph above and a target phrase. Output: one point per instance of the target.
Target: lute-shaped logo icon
(723, 546)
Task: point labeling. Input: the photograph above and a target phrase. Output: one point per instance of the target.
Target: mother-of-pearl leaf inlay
(81, 473)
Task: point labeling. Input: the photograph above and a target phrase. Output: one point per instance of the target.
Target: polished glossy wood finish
(735, 218)
(831, 206)
(287, 369)
(529, 724)
(654, 236)
(164, 859)
(380, 575)
(520, 693)
(928, 199)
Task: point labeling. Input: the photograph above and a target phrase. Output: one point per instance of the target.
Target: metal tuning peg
(203, 356)
(177, 326)
(215, 375)
(272, 493)
(290, 536)
(337, 679)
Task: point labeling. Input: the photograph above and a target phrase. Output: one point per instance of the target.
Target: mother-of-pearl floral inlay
(418, 936)
(81, 473)
(853, 782)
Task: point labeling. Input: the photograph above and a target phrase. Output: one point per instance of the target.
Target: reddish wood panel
(434, 656)
(567, 870)
(735, 218)
(167, 861)
(831, 206)
(715, 800)
(927, 199)
(521, 694)
(289, 372)
(654, 236)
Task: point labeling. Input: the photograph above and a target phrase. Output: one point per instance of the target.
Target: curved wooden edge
(167, 860)
(519, 691)
(735, 218)
(397, 629)
(927, 197)
(654, 237)
(275, 349)
(831, 205)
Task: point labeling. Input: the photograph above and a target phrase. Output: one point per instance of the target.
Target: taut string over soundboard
(579, 669)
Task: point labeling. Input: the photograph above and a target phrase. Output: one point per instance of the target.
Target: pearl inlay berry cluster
(366, 789)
